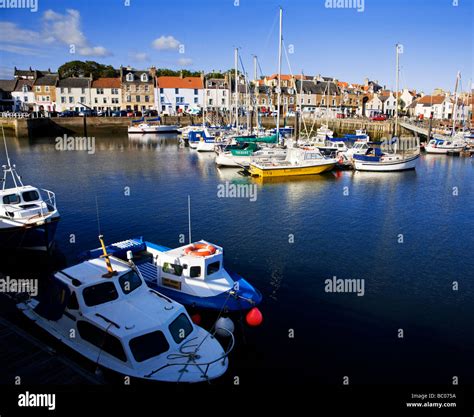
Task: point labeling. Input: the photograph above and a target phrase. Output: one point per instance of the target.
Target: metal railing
(44, 207)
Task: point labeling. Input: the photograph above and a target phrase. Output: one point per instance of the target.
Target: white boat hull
(442, 150)
(387, 166)
(153, 129)
(205, 146)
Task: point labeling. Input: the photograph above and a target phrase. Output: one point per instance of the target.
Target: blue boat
(193, 275)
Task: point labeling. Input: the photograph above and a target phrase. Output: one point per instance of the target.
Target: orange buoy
(254, 317)
(196, 318)
(200, 249)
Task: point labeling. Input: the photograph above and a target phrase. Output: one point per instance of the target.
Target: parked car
(340, 116)
(137, 114)
(119, 113)
(150, 113)
(193, 111)
(129, 113)
(88, 113)
(379, 118)
(290, 114)
(68, 113)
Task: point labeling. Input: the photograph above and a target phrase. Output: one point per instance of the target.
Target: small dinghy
(193, 275)
(121, 324)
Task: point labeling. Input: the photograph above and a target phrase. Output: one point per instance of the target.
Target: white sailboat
(375, 159)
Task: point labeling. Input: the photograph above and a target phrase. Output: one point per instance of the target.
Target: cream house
(106, 94)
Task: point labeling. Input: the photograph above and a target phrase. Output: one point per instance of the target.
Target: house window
(38, 88)
(309, 101)
(71, 100)
(264, 101)
(322, 102)
(25, 99)
(63, 99)
(224, 93)
(208, 92)
(137, 99)
(128, 88)
(211, 102)
(129, 77)
(114, 90)
(62, 90)
(292, 100)
(195, 100)
(83, 90)
(115, 100)
(147, 99)
(96, 100)
(82, 100)
(162, 99)
(129, 99)
(333, 102)
(161, 90)
(176, 90)
(46, 88)
(144, 78)
(146, 89)
(223, 101)
(105, 100)
(195, 91)
(47, 98)
(99, 91)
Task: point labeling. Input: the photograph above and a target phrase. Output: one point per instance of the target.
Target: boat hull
(205, 146)
(286, 171)
(38, 237)
(442, 151)
(154, 129)
(404, 165)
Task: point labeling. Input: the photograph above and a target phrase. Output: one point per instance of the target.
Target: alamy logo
(19, 4)
(10, 285)
(37, 400)
(345, 286)
(77, 143)
(359, 5)
(229, 190)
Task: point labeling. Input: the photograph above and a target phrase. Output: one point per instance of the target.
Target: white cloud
(6, 72)
(165, 42)
(57, 28)
(21, 50)
(140, 56)
(185, 62)
(11, 33)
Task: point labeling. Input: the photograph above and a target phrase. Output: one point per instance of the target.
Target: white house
(23, 95)
(175, 95)
(407, 97)
(427, 105)
(106, 94)
(217, 94)
(72, 93)
(373, 106)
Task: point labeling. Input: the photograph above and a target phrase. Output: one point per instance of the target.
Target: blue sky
(350, 45)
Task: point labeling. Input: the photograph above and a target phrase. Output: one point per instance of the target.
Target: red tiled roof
(342, 84)
(431, 100)
(106, 83)
(284, 77)
(178, 82)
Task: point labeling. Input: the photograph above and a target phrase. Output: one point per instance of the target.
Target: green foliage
(162, 72)
(85, 68)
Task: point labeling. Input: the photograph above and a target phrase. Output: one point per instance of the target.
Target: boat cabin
(25, 202)
(131, 324)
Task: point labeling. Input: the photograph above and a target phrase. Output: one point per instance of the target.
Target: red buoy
(254, 317)
(196, 318)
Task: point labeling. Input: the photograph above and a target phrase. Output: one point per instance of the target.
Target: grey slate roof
(310, 87)
(46, 80)
(20, 83)
(74, 82)
(136, 76)
(7, 85)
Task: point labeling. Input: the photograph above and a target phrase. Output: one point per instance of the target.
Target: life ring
(200, 249)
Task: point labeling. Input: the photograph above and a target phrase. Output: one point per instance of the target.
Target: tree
(85, 68)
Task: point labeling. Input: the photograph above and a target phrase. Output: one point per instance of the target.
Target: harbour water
(407, 235)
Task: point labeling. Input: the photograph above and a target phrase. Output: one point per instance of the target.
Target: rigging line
(287, 59)
(97, 213)
(270, 33)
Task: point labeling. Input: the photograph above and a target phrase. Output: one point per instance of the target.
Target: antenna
(189, 218)
(6, 148)
(97, 214)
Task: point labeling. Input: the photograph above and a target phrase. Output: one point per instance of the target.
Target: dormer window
(144, 78)
(129, 77)
(25, 88)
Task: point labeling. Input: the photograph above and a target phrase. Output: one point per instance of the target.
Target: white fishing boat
(324, 132)
(28, 215)
(241, 154)
(443, 146)
(143, 128)
(121, 324)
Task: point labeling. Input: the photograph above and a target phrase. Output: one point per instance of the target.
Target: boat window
(195, 271)
(101, 339)
(99, 294)
(180, 328)
(172, 269)
(11, 199)
(213, 268)
(72, 303)
(30, 196)
(148, 345)
(129, 282)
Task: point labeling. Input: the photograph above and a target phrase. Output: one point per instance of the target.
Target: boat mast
(455, 106)
(8, 167)
(279, 75)
(236, 61)
(300, 104)
(396, 89)
(205, 105)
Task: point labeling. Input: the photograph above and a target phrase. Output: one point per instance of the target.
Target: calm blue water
(356, 236)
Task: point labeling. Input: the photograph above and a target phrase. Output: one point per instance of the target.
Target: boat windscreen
(99, 294)
(180, 328)
(148, 345)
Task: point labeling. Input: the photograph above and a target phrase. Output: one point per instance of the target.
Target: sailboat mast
(236, 62)
(396, 90)
(279, 75)
(458, 76)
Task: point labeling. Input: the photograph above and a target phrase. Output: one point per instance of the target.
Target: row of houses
(139, 90)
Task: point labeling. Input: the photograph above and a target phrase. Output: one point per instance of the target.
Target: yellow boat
(299, 161)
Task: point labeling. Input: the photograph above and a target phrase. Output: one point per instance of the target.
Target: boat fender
(254, 317)
(224, 326)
